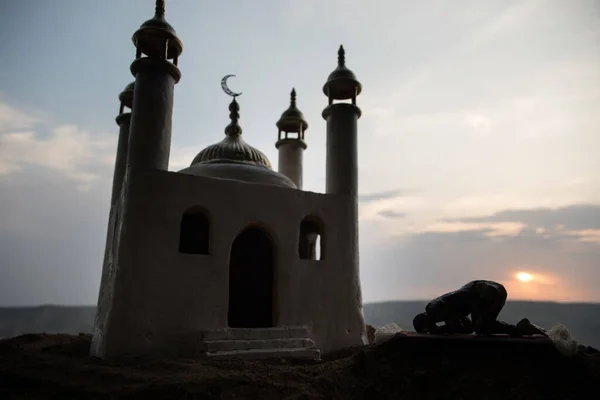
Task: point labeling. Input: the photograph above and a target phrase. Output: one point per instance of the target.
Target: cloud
(572, 217)
(79, 155)
(82, 156)
(391, 214)
(480, 123)
(377, 208)
(383, 195)
(586, 235)
(574, 222)
(12, 119)
(484, 207)
(505, 23)
(181, 157)
(487, 229)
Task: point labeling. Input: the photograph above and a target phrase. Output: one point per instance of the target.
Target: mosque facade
(227, 257)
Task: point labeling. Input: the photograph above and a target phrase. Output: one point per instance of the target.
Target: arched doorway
(251, 276)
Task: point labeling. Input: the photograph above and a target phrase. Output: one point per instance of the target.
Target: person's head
(423, 324)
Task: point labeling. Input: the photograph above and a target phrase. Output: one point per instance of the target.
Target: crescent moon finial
(226, 89)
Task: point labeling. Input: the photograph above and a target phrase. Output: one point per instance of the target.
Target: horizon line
(364, 304)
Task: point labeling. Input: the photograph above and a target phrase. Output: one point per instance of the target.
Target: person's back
(481, 299)
(459, 302)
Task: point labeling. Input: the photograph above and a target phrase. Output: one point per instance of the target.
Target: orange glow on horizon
(524, 277)
(528, 283)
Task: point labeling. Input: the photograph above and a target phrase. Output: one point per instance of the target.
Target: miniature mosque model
(220, 259)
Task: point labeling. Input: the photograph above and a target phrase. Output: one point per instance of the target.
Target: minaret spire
(293, 98)
(341, 57)
(160, 9)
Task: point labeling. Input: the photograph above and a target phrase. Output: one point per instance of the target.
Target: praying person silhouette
(482, 300)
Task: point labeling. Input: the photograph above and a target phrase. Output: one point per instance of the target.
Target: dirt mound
(58, 367)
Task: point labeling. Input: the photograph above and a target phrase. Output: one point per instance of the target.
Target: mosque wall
(166, 293)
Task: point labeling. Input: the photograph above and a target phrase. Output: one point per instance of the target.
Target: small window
(194, 235)
(311, 244)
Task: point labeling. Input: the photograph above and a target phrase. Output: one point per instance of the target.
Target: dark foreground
(57, 367)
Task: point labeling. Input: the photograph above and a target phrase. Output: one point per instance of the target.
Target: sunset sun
(524, 276)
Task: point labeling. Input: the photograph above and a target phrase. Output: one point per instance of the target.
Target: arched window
(194, 234)
(311, 243)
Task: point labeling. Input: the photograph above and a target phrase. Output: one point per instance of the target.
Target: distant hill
(16, 321)
(582, 320)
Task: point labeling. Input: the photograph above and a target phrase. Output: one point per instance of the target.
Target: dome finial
(341, 57)
(160, 9)
(293, 98)
(234, 129)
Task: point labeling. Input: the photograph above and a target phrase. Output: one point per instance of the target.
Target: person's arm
(456, 324)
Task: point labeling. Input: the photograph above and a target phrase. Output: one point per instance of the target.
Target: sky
(478, 142)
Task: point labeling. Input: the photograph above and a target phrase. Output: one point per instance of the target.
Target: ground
(40, 366)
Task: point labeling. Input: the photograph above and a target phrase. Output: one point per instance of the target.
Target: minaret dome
(126, 97)
(157, 38)
(292, 119)
(342, 83)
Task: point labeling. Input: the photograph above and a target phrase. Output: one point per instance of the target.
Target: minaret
(123, 120)
(342, 157)
(155, 77)
(291, 147)
(342, 120)
(147, 147)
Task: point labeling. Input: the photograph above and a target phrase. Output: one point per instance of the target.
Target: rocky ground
(39, 366)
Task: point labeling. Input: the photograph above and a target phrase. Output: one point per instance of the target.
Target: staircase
(260, 343)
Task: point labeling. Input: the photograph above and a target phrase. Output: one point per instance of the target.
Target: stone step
(231, 345)
(280, 332)
(258, 354)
